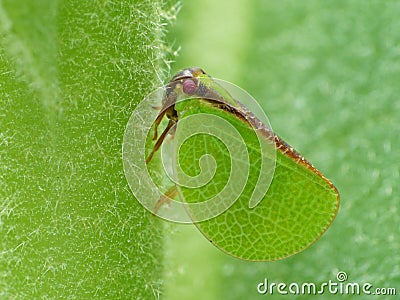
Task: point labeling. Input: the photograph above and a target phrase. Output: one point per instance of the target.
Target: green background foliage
(71, 73)
(327, 74)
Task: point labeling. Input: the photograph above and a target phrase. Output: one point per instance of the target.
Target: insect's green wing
(296, 210)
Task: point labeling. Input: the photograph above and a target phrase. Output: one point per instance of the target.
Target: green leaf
(70, 74)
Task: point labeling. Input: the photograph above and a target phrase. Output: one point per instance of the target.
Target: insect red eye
(189, 87)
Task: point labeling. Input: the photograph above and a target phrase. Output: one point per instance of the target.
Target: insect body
(295, 211)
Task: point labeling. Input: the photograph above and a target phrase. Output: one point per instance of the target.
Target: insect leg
(166, 198)
(160, 140)
(157, 122)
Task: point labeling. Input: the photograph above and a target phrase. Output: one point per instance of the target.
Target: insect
(300, 203)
